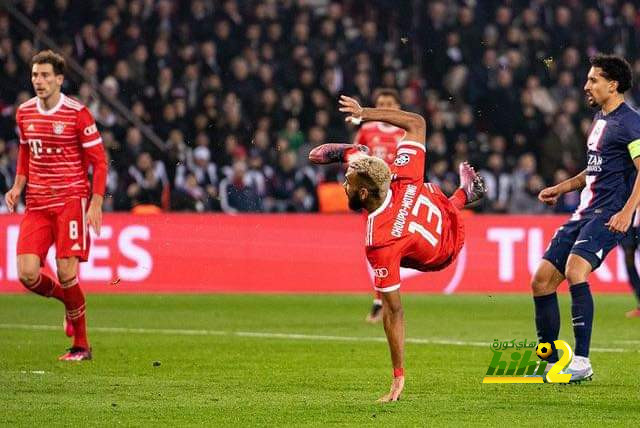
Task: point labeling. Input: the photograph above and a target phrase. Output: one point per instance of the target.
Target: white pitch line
(271, 335)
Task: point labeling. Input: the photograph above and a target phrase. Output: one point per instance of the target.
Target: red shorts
(66, 226)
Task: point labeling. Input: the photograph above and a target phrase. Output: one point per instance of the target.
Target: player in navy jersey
(610, 195)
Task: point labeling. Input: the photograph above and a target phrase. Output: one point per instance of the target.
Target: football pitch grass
(294, 360)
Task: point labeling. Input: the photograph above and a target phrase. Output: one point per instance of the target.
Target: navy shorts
(588, 238)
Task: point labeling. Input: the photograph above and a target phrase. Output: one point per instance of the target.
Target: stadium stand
(239, 91)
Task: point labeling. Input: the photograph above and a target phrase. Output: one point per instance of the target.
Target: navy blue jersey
(610, 168)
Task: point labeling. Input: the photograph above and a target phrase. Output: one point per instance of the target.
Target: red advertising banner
(294, 253)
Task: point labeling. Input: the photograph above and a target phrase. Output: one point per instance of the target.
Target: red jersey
(381, 139)
(56, 147)
(416, 226)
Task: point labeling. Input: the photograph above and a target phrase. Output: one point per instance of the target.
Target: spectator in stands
(499, 184)
(526, 200)
(286, 180)
(237, 194)
(145, 181)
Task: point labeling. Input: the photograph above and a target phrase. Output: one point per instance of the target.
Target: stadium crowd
(240, 91)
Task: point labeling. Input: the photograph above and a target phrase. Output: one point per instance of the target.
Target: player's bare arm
(13, 195)
(393, 320)
(620, 221)
(551, 194)
(94, 213)
(414, 124)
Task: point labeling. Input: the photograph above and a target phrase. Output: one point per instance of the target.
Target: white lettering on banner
(144, 261)
(88, 270)
(506, 237)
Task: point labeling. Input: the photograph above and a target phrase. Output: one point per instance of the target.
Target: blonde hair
(374, 172)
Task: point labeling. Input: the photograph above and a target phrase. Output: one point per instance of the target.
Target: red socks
(458, 199)
(75, 305)
(47, 287)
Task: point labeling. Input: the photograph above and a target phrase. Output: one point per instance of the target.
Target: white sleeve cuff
(92, 143)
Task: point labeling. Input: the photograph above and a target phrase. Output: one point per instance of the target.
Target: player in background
(58, 142)
(381, 139)
(610, 195)
(630, 245)
(409, 223)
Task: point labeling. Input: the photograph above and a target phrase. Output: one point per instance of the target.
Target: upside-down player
(381, 139)
(610, 195)
(410, 223)
(58, 141)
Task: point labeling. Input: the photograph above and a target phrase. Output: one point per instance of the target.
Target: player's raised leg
(472, 187)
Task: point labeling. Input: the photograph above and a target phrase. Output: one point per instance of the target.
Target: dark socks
(548, 320)
(582, 317)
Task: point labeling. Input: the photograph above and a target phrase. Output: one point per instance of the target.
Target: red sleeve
(385, 262)
(93, 149)
(409, 162)
(23, 149)
(98, 160)
(360, 138)
(87, 130)
(23, 160)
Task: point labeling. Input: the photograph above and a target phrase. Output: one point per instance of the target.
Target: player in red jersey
(410, 223)
(381, 139)
(58, 142)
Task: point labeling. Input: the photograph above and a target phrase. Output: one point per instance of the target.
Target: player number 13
(433, 210)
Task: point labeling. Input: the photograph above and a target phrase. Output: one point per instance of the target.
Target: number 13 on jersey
(432, 211)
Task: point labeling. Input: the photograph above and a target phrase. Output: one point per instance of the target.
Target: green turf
(233, 378)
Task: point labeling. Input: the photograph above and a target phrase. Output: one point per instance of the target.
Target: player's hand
(352, 107)
(396, 389)
(620, 221)
(11, 198)
(549, 195)
(94, 214)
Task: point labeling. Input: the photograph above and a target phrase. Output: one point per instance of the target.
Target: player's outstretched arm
(621, 220)
(551, 194)
(414, 124)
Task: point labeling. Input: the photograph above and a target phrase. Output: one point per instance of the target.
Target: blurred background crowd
(239, 91)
